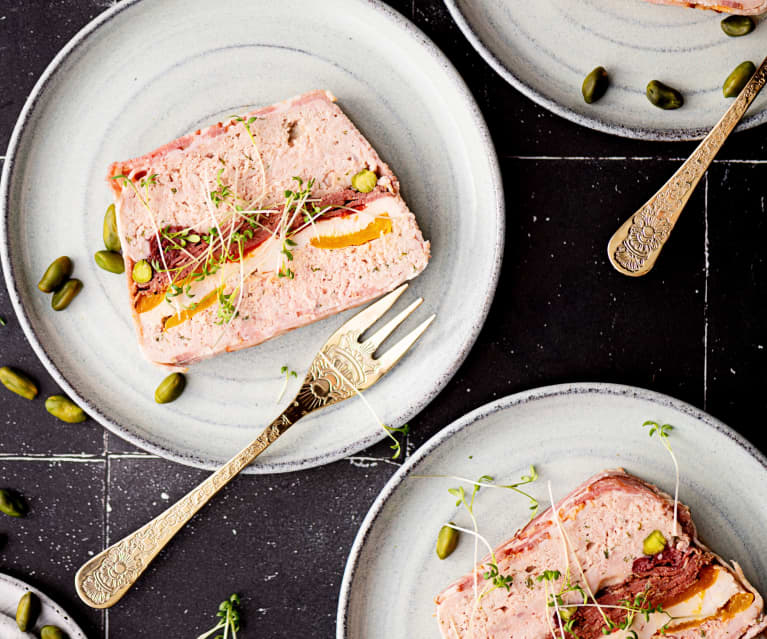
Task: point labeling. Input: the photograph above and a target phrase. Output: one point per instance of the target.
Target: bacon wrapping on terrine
(605, 522)
(740, 7)
(251, 228)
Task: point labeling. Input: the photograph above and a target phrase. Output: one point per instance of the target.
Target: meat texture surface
(251, 228)
(740, 7)
(603, 525)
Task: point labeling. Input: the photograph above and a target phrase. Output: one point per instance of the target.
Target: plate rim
(44, 600)
(688, 134)
(465, 421)
(308, 461)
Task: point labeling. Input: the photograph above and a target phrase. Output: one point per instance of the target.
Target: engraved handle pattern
(104, 579)
(638, 242)
(342, 366)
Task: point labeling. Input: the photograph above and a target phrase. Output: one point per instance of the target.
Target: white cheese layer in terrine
(252, 228)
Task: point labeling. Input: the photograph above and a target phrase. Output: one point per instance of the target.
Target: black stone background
(692, 329)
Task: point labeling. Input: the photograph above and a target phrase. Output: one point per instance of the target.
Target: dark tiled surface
(115, 444)
(692, 329)
(64, 524)
(737, 287)
(26, 427)
(577, 319)
(280, 541)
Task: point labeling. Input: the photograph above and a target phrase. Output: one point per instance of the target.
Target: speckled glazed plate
(545, 48)
(50, 613)
(569, 432)
(146, 72)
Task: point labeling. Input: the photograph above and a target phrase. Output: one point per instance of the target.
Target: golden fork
(342, 367)
(636, 245)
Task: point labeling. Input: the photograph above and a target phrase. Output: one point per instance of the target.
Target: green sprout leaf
(663, 436)
(228, 619)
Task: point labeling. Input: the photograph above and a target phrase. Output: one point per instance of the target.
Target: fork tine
(395, 353)
(367, 317)
(375, 340)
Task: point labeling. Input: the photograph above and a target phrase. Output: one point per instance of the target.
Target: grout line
(740, 161)
(80, 455)
(85, 458)
(105, 529)
(74, 457)
(369, 461)
(107, 506)
(705, 294)
(642, 158)
(407, 447)
(134, 456)
(82, 459)
(618, 158)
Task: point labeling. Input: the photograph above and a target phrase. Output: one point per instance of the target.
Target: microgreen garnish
(287, 243)
(549, 575)
(498, 580)
(2, 321)
(226, 239)
(460, 494)
(226, 308)
(491, 573)
(223, 192)
(525, 479)
(566, 544)
(387, 429)
(228, 619)
(246, 123)
(288, 373)
(640, 605)
(179, 239)
(148, 180)
(565, 610)
(173, 291)
(397, 446)
(663, 433)
(144, 199)
(196, 254)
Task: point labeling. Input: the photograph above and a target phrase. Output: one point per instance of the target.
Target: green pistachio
(364, 181)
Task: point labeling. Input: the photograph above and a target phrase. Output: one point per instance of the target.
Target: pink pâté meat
(235, 258)
(604, 522)
(739, 7)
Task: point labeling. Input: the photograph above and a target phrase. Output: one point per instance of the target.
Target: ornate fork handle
(636, 245)
(342, 368)
(105, 578)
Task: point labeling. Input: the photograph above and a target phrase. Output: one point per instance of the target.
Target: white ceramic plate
(50, 613)
(146, 72)
(569, 432)
(545, 48)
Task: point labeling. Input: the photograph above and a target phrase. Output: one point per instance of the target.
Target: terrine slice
(253, 227)
(741, 7)
(604, 523)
